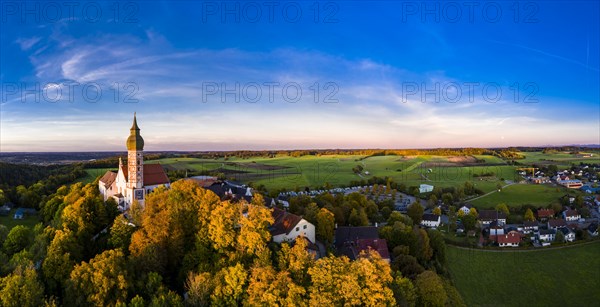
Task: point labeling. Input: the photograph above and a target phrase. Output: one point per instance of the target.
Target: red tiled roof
(510, 238)
(571, 213)
(108, 178)
(545, 213)
(379, 245)
(153, 174)
(284, 221)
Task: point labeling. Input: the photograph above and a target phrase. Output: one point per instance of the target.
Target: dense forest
(187, 247)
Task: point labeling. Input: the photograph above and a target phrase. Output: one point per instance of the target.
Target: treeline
(188, 247)
(27, 185)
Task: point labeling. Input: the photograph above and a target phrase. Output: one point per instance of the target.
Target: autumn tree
(21, 288)
(469, 222)
(404, 291)
(268, 287)
(473, 212)
(529, 215)
(296, 260)
(230, 284)
(437, 211)
(325, 226)
(101, 282)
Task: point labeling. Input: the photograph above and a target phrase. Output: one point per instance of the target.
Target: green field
(560, 277)
(521, 194)
(93, 173)
(9, 222)
(561, 159)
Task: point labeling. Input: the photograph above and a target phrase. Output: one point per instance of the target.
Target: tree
(560, 236)
(296, 260)
(404, 291)
(469, 222)
(18, 238)
(433, 201)
(325, 226)
(499, 186)
(358, 217)
(254, 231)
(101, 282)
(198, 288)
(461, 213)
(473, 212)
(21, 288)
(430, 289)
(229, 286)
(529, 215)
(503, 208)
(448, 199)
(437, 211)
(270, 288)
(415, 212)
(120, 233)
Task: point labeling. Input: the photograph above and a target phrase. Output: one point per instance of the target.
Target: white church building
(135, 180)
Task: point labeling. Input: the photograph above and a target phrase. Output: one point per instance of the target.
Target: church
(135, 180)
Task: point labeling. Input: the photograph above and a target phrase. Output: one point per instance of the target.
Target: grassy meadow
(522, 194)
(557, 277)
(9, 222)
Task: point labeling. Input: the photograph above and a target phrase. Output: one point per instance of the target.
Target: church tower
(135, 161)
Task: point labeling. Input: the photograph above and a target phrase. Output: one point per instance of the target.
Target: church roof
(153, 174)
(135, 140)
(108, 178)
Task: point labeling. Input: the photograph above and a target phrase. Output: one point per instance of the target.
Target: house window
(297, 228)
(304, 227)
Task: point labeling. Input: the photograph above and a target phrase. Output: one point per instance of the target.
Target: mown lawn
(9, 222)
(561, 277)
(521, 194)
(93, 173)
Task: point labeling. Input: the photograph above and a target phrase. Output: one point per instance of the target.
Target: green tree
(469, 222)
(18, 238)
(433, 201)
(325, 226)
(358, 217)
(404, 291)
(430, 289)
(121, 232)
(415, 212)
(21, 288)
(560, 236)
(503, 208)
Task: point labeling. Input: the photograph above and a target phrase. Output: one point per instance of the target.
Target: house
(488, 216)
(544, 214)
(287, 227)
(571, 184)
(430, 220)
(466, 209)
(425, 188)
(511, 239)
(590, 190)
(557, 223)
(593, 229)
(19, 214)
(132, 182)
(350, 241)
(568, 233)
(530, 226)
(495, 229)
(4, 210)
(571, 215)
(547, 235)
(539, 180)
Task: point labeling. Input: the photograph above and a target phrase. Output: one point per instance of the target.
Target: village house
(545, 214)
(351, 241)
(593, 229)
(568, 233)
(557, 223)
(488, 216)
(547, 235)
(466, 209)
(511, 239)
(530, 226)
(431, 220)
(571, 215)
(287, 227)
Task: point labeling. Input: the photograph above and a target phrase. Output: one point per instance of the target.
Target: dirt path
(486, 194)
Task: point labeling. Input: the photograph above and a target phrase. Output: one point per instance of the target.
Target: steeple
(135, 140)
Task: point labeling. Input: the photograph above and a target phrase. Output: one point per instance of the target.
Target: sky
(236, 75)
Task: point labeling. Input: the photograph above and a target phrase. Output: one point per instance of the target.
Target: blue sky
(503, 73)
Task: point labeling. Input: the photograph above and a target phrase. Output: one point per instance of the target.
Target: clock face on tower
(139, 194)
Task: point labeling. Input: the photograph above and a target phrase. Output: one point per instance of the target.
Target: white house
(465, 209)
(571, 215)
(547, 235)
(424, 188)
(431, 220)
(287, 227)
(569, 234)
